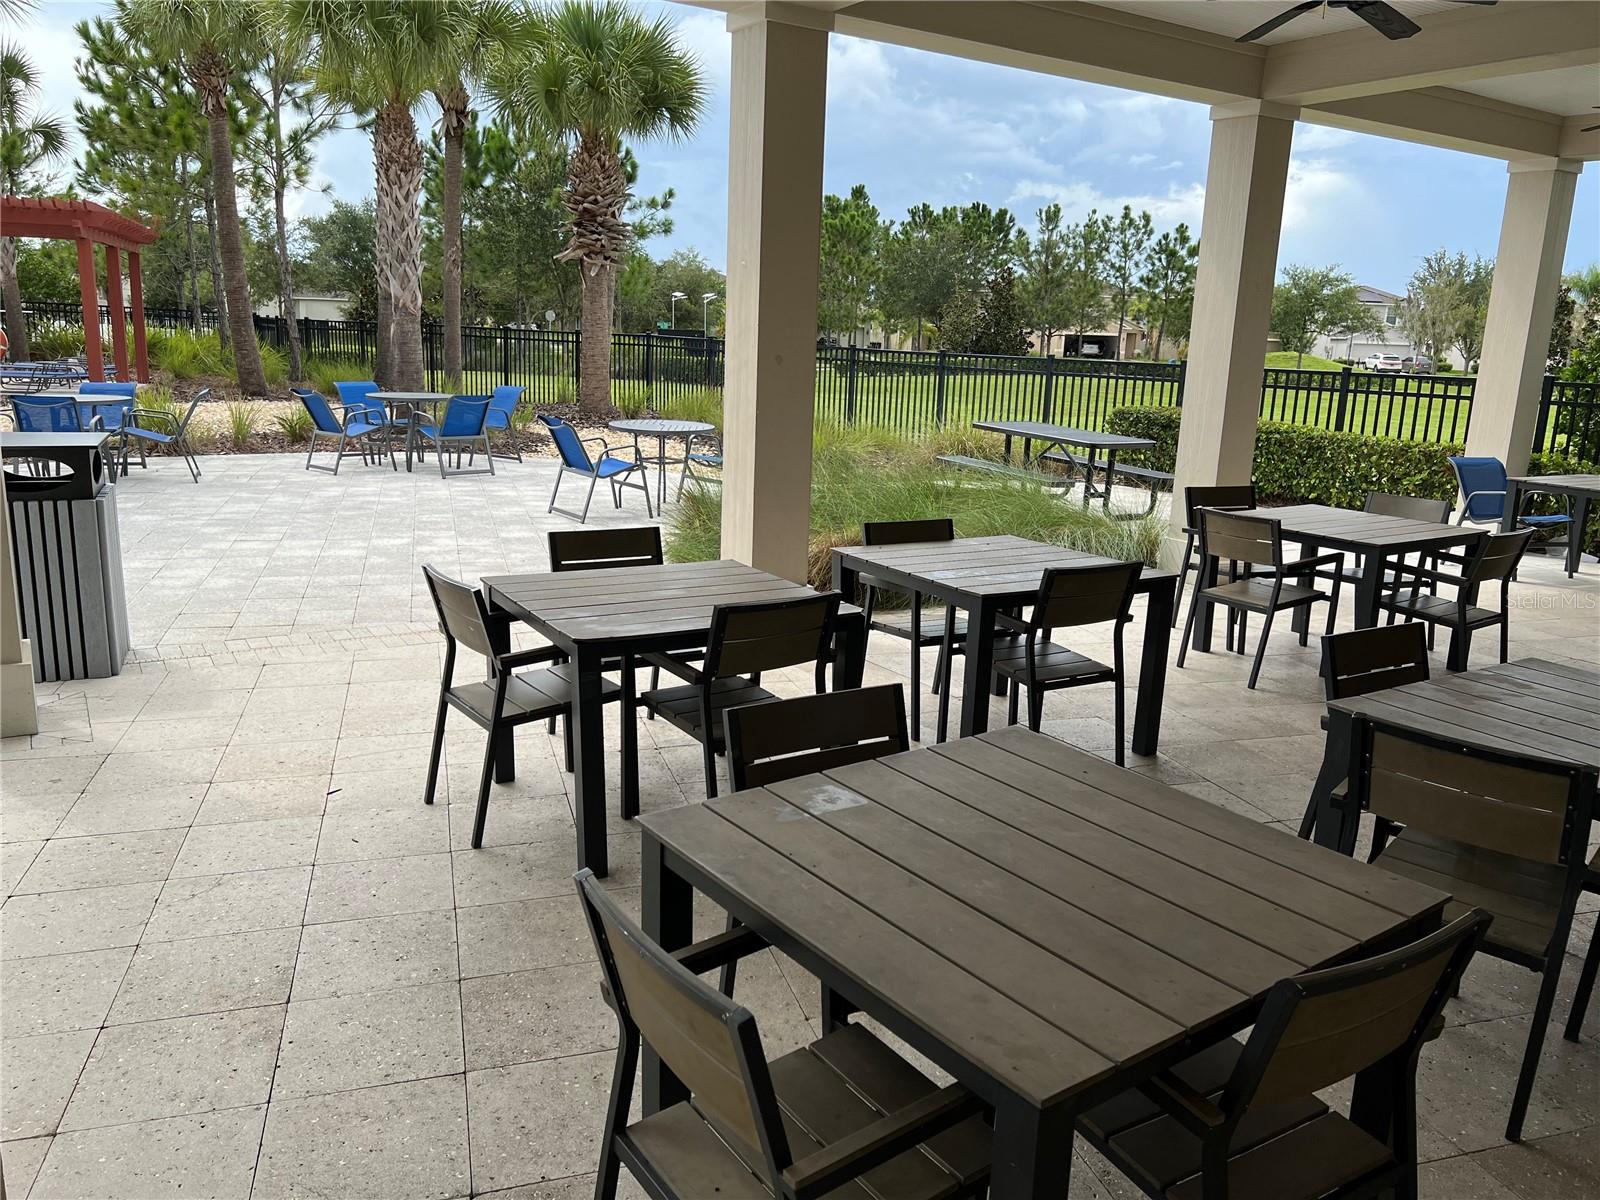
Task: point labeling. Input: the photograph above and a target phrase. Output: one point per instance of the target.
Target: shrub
(323, 373)
(295, 425)
(1314, 466)
(242, 418)
(184, 354)
(274, 364)
(53, 341)
(862, 475)
(701, 404)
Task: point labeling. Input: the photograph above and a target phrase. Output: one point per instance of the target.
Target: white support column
(779, 92)
(1516, 337)
(1243, 214)
(19, 714)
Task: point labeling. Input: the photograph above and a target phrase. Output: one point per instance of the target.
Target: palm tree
(28, 140)
(593, 74)
(383, 57)
(214, 42)
(490, 28)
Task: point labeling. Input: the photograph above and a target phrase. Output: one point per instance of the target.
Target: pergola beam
(1452, 119)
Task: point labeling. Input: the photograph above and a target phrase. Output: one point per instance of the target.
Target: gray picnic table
(1056, 438)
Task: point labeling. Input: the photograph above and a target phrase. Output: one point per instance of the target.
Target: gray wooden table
(987, 574)
(626, 612)
(1058, 437)
(1048, 928)
(1580, 489)
(1531, 708)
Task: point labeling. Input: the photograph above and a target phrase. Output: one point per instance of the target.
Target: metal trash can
(66, 553)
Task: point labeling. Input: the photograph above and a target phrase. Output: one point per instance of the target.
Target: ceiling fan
(1385, 18)
(1590, 128)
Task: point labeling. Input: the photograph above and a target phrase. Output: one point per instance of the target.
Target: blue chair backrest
(113, 414)
(353, 395)
(1481, 475)
(568, 444)
(47, 416)
(321, 412)
(463, 416)
(125, 390)
(504, 402)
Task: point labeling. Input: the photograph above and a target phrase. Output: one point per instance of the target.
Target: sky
(918, 127)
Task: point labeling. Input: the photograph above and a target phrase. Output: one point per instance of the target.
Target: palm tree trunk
(400, 240)
(219, 297)
(246, 351)
(594, 344)
(383, 368)
(286, 290)
(190, 264)
(16, 319)
(453, 126)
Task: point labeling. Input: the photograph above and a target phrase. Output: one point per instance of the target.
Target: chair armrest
(526, 658)
(851, 1156)
(729, 946)
(1466, 504)
(1007, 621)
(1419, 572)
(1183, 1103)
(135, 415)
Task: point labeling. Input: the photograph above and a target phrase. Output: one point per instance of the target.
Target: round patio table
(661, 430)
(410, 402)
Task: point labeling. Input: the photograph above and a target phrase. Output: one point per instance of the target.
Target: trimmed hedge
(1297, 464)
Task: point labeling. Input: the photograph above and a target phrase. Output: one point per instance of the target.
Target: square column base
(19, 711)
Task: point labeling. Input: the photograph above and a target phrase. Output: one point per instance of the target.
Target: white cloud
(1139, 160)
(1320, 194)
(705, 35)
(859, 72)
(1179, 203)
(1320, 137)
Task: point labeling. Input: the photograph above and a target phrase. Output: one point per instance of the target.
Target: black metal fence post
(1541, 428)
(851, 361)
(649, 359)
(940, 363)
(1183, 376)
(1049, 387)
(1342, 403)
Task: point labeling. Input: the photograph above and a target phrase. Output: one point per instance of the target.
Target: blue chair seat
(1552, 519)
(150, 435)
(362, 428)
(613, 466)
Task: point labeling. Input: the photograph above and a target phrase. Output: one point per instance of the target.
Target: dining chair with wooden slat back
(800, 1127)
(1503, 834)
(1244, 1121)
(911, 625)
(784, 739)
(1494, 560)
(744, 641)
(1359, 662)
(1227, 497)
(1256, 544)
(508, 698)
(1068, 598)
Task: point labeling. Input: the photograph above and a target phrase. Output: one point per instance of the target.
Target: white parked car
(1387, 364)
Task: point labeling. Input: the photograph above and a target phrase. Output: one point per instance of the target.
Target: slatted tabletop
(1351, 529)
(596, 615)
(627, 607)
(1045, 926)
(1532, 708)
(985, 574)
(1580, 491)
(1065, 435)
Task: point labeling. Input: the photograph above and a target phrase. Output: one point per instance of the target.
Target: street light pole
(705, 313)
(676, 296)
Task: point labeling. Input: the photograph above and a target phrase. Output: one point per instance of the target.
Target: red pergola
(91, 224)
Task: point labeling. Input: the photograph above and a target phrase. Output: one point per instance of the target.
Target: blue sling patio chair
(114, 409)
(372, 441)
(461, 428)
(1484, 487)
(32, 414)
(158, 427)
(502, 407)
(575, 459)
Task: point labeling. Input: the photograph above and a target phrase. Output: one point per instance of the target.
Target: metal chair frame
(175, 434)
(367, 435)
(618, 481)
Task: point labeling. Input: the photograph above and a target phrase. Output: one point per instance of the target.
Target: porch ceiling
(1513, 80)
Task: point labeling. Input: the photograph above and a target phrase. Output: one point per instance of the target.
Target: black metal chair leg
(437, 752)
(1530, 1057)
(1580, 998)
(1261, 648)
(483, 786)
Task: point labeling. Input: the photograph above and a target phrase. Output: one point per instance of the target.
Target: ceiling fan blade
(1589, 128)
(1282, 18)
(1389, 21)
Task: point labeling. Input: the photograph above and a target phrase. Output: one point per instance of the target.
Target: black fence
(917, 391)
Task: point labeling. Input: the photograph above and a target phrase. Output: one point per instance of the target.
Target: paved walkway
(240, 957)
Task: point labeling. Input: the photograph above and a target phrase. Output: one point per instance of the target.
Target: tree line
(190, 106)
(969, 278)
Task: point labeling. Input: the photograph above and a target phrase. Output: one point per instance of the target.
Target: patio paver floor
(241, 958)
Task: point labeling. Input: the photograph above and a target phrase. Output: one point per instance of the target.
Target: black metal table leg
(1160, 601)
(1032, 1152)
(667, 910)
(589, 765)
(979, 669)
